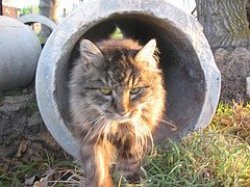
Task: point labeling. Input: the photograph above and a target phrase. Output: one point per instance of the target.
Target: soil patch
(23, 135)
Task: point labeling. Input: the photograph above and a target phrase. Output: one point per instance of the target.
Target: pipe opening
(184, 77)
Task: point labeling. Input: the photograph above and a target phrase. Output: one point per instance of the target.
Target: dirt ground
(22, 131)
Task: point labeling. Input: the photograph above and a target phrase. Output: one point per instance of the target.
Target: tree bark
(225, 23)
(54, 10)
(248, 11)
(44, 7)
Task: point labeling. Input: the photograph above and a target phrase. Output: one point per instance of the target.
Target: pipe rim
(36, 18)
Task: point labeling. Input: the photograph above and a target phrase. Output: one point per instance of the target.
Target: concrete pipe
(44, 21)
(192, 78)
(19, 53)
(33, 18)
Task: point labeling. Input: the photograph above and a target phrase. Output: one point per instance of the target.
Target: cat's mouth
(115, 117)
(121, 119)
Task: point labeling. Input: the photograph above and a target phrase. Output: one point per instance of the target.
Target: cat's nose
(122, 112)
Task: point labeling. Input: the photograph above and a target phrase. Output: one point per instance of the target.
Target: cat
(117, 98)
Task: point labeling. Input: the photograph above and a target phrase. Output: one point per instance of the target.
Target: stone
(235, 68)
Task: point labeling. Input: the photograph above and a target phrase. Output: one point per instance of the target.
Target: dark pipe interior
(1, 8)
(184, 76)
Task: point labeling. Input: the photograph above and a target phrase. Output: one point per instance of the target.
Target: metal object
(192, 77)
(19, 53)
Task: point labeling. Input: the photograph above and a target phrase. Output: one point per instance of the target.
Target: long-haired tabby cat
(116, 100)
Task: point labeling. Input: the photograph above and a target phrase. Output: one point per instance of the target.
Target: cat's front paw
(137, 177)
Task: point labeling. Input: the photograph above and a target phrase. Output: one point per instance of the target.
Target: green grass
(202, 159)
(15, 175)
(217, 156)
(53, 172)
(117, 34)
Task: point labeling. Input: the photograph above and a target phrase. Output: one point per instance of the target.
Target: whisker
(100, 131)
(87, 108)
(172, 126)
(92, 129)
(106, 130)
(97, 133)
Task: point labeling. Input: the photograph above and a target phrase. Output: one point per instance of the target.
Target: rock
(235, 68)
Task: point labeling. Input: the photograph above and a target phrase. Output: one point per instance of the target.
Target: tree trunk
(54, 10)
(248, 11)
(225, 23)
(44, 7)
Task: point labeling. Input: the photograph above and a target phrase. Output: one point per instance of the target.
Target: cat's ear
(147, 53)
(90, 52)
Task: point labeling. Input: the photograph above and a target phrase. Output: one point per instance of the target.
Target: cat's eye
(106, 90)
(135, 90)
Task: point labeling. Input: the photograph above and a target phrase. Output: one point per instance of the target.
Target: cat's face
(118, 85)
(122, 90)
